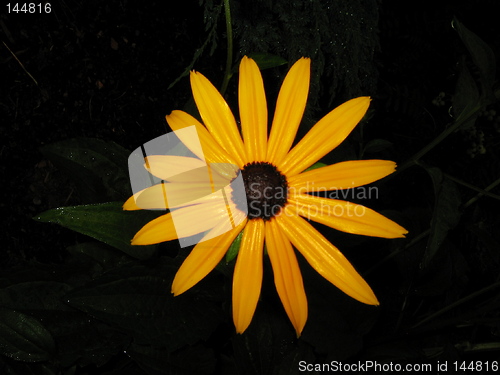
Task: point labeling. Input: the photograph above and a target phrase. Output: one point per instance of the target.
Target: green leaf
(190, 360)
(482, 55)
(267, 60)
(315, 166)
(466, 101)
(376, 145)
(60, 275)
(106, 256)
(234, 248)
(98, 168)
(24, 338)
(138, 301)
(22, 368)
(34, 295)
(446, 214)
(106, 222)
(82, 340)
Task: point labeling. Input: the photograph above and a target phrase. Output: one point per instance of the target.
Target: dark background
(102, 70)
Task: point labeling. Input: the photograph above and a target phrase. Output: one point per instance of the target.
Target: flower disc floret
(266, 190)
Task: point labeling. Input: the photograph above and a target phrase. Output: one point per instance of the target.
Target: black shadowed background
(85, 83)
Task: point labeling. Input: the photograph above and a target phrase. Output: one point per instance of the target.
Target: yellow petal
(189, 178)
(173, 195)
(327, 134)
(212, 151)
(253, 110)
(166, 166)
(184, 222)
(217, 117)
(130, 204)
(325, 258)
(192, 172)
(287, 276)
(247, 280)
(344, 175)
(204, 257)
(158, 230)
(290, 107)
(195, 186)
(151, 198)
(346, 216)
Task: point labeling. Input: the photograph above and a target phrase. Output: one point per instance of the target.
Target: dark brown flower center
(266, 190)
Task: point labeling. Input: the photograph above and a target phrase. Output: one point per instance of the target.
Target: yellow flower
(277, 198)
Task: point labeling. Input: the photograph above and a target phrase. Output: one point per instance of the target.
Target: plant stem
(229, 58)
(445, 133)
(486, 190)
(397, 252)
(20, 63)
(458, 303)
(475, 188)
